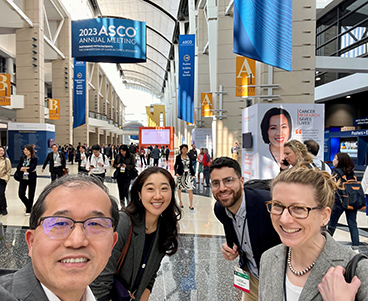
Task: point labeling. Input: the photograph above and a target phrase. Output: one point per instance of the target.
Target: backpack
(263, 184)
(352, 194)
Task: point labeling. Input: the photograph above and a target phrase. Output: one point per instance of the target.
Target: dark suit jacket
(261, 232)
(102, 286)
(32, 167)
(50, 158)
(179, 167)
(21, 285)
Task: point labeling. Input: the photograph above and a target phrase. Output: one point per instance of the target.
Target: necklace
(298, 273)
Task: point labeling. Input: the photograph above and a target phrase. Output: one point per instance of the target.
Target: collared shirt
(83, 157)
(57, 159)
(93, 160)
(87, 296)
(238, 223)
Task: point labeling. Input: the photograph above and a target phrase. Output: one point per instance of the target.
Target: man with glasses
(247, 224)
(57, 163)
(71, 236)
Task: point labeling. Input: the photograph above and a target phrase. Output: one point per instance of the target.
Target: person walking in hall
(108, 152)
(167, 153)
(81, 158)
(71, 153)
(235, 150)
(162, 152)
(5, 169)
(313, 148)
(142, 153)
(149, 151)
(97, 163)
(184, 172)
(27, 165)
(57, 163)
(156, 154)
(247, 224)
(124, 162)
(200, 165)
(344, 166)
(193, 157)
(206, 167)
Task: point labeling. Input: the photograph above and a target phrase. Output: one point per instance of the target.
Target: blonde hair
(322, 182)
(300, 151)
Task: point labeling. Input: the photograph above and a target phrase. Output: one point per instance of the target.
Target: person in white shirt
(97, 163)
(69, 244)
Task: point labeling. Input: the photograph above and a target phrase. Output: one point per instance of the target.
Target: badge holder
(241, 279)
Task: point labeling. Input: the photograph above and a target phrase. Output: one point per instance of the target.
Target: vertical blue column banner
(263, 31)
(79, 109)
(186, 77)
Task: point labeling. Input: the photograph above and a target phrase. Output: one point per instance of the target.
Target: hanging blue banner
(79, 108)
(263, 31)
(186, 77)
(111, 40)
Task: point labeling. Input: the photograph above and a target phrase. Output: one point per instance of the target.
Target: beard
(236, 195)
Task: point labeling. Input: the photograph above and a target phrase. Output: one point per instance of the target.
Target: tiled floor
(197, 272)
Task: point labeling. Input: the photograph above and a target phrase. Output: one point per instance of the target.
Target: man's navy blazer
(261, 232)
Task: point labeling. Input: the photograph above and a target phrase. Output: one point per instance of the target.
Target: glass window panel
(328, 49)
(327, 20)
(327, 35)
(356, 17)
(348, 6)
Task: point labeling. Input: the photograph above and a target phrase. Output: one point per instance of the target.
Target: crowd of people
(290, 253)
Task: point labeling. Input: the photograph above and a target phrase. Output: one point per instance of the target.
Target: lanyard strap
(241, 252)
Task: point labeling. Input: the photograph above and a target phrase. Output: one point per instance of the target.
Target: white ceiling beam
(21, 14)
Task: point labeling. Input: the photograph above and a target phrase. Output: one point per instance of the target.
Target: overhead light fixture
(318, 78)
(348, 96)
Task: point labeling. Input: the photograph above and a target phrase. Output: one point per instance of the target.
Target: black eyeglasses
(296, 211)
(228, 182)
(59, 227)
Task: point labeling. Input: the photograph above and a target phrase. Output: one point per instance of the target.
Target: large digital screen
(111, 40)
(155, 136)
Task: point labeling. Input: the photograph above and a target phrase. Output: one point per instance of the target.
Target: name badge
(241, 280)
(95, 170)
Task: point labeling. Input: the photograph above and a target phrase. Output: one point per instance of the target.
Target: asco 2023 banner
(111, 40)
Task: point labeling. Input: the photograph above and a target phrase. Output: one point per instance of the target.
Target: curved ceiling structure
(161, 17)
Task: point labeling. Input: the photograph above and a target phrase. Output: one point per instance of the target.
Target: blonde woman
(309, 264)
(296, 153)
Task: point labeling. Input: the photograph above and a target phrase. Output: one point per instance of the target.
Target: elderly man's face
(70, 264)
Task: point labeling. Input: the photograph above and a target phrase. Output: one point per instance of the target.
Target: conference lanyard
(240, 250)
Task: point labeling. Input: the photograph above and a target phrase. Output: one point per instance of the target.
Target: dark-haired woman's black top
(129, 161)
(32, 166)
(131, 267)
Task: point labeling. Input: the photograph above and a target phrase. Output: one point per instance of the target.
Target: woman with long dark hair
(5, 168)
(344, 166)
(154, 215)
(27, 165)
(124, 162)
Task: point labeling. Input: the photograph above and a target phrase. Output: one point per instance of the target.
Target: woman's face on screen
(278, 130)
